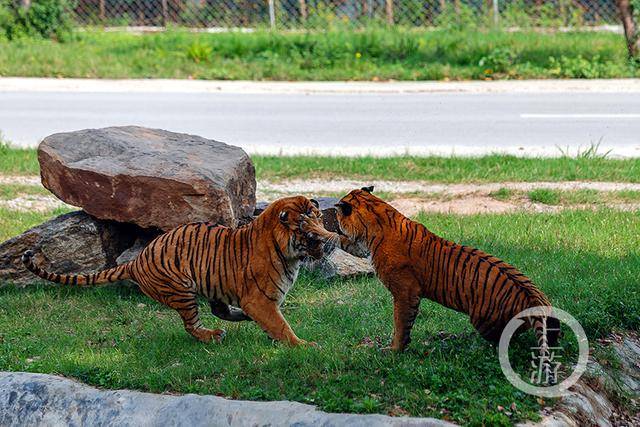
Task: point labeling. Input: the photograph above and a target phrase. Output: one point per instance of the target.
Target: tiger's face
(301, 219)
(354, 212)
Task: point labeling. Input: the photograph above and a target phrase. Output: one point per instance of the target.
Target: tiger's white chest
(286, 284)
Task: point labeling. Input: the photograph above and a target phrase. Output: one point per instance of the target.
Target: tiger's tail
(120, 272)
(547, 329)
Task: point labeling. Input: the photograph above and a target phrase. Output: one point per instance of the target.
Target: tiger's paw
(391, 349)
(206, 335)
(218, 335)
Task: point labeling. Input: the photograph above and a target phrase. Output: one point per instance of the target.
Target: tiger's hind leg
(226, 312)
(488, 329)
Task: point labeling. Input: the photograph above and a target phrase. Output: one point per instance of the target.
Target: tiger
(414, 263)
(251, 267)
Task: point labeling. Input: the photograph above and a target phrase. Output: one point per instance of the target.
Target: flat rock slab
(71, 243)
(38, 399)
(149, 177)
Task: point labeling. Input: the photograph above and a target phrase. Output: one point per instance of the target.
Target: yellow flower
(358, 55)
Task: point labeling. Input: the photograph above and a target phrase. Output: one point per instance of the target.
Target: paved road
(347, 123)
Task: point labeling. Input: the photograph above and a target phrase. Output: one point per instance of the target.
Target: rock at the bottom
(38, 399)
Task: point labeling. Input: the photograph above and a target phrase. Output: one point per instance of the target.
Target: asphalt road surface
(347, 123)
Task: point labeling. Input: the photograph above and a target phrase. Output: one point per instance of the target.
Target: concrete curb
(20, 84)
(39, 399)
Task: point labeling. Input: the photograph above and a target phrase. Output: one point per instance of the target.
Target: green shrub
(49, 19)
(579, 67)
(199, 52)
(500, 60)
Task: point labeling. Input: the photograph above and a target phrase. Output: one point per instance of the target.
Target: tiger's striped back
(415, 263)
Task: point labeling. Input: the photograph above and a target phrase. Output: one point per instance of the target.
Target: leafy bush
(500, 60)
(48, 19)
(579, 67)
(199, 52)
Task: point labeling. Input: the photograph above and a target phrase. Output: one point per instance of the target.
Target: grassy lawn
(569, 197)
(492, 168)
(113, 337)
(372, 54)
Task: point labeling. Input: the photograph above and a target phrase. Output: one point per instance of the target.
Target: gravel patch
(22, 180)
(344, 186)
(460, 199)
(33, 203)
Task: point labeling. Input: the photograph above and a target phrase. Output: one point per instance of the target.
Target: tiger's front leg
(226, 312)
(266, 313)
(405, 311)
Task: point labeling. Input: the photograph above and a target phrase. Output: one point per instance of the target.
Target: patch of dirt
(344, 186)
(32, 203)
(22, 180)
(460, 199)
(462, 206)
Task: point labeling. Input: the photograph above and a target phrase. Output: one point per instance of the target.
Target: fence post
(389, 8)
(496, 13)
(272, 14)
(303, 10)
(165, 13)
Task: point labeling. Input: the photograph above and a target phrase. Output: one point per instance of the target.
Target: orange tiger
(413, 263)
(251, 267)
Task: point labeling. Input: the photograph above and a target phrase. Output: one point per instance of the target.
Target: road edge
(36, 84)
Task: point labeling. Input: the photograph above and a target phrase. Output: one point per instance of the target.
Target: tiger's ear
(345, 208)
(368, 189)
(284, 217)
(315, 203)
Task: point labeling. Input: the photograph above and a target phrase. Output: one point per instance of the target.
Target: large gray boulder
(149, 177)
(37, 399)
(71, 243)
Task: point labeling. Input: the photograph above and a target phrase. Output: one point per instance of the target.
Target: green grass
(491, 168)
(114, 337)
(11, 191)
(16, 161)
(581, 197)
(502, 194)
(372, 54)
(13, 223)
(545, 196)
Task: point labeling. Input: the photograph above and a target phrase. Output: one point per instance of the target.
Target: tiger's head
(300, 228)
(356, 212)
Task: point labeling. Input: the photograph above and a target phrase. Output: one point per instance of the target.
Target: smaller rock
(341, 264)
(71, 243)
(131, 253)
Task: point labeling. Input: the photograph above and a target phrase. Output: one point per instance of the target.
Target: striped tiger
(251, 267)
(414, 263)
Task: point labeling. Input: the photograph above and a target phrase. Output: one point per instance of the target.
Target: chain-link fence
(322, 14)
